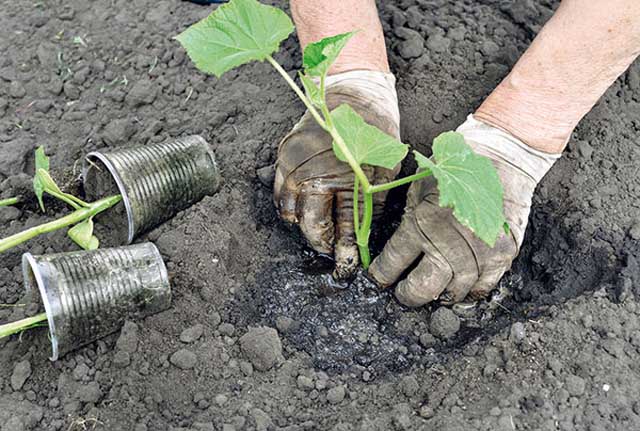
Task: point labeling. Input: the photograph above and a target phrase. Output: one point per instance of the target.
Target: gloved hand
(453, 264)
(314, 189)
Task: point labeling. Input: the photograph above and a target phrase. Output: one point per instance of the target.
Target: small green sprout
(242, 31)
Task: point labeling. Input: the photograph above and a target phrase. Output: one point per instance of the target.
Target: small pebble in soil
(246, 368)
(128, 340)
(80, 371)
(634, 232)
(427, 340)
(8, 214)
(262, 347)
(89, 393)
(215, 319)
(517, 332)
(438, 43)
(444, 323)
(336, 395)
(266, 175)
(192, 334)
(121, 359)
(575, 385)
(305, 383)
(184, 359)
(16, 90)
(227, 329)
(21, 372)
(412, 46)
(263, 420)
(409, 386)
(142, 93)
(118, 131)
(286, 324)
(426, 412)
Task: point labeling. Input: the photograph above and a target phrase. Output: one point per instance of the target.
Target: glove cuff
(499, 145)
(375, 87)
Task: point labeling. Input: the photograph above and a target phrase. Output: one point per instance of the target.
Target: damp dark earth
(258, 336)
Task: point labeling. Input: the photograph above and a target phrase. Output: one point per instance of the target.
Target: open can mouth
(155, 181)
(36, 274)
(90, 294)
(96, 155)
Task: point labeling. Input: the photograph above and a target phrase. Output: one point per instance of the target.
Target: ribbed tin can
(156, 181)
(89, 294)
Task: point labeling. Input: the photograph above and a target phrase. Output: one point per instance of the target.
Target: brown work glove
(313, 188)
(452, 263)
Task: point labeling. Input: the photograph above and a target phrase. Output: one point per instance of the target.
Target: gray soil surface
(258, 337)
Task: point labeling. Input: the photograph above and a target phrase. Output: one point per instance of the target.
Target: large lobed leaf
(234, 34)
(469, 184)
(368, 144)
(319, 56)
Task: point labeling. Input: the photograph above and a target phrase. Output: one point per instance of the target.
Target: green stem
(65, 198)
(393, 184)
(298, 91)
(356, 199)
(22, 325)
(9, 201)
(362, 234)
(355, 166)
(68, 220)
(77, 200)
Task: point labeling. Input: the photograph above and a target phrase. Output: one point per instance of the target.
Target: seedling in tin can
(80, 220)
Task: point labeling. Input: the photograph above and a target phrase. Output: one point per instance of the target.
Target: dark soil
(559, 348)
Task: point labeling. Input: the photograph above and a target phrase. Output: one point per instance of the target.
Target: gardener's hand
(453, 264)
(315, 190)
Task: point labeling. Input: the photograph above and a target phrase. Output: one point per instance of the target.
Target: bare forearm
(578, 54)
(318, 19)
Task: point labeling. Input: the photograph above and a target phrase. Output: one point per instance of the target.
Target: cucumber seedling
(246, 30)
(81, 219)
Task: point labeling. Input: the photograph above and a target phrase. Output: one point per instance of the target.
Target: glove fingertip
(347, 260)
(407, 296)
(376, 272)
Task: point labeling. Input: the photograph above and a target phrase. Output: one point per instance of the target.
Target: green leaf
(42, 182)
(312, 90)
(469, 184)
(235, 33)
(42, 165)
(319, 56)
(82, 234)
(367, 144)
(42, 161)
(47, 181)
